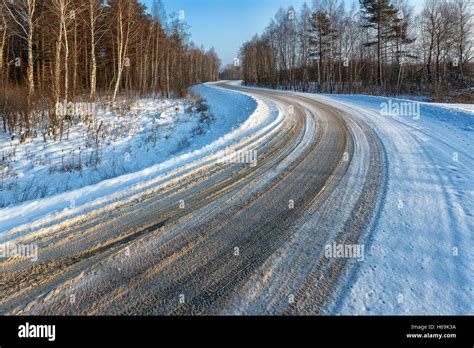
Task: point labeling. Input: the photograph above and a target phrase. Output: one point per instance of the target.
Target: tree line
(74, 50)
(377, 46)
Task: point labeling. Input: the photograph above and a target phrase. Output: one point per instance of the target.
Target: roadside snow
(237, 116)
(150, 132)
(420, 259)
(464, 107)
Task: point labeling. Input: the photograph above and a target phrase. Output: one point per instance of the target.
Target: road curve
(224, 238)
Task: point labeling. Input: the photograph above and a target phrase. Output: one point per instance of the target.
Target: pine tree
(379, 15)
(320, 37)
(158, 12)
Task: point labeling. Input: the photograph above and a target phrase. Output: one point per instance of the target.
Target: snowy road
(225, 238)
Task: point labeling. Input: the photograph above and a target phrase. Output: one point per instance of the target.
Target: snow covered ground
(152, 132)
(236, 115)
(421, 255)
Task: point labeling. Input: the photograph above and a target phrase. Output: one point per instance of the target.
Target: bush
(13, 108)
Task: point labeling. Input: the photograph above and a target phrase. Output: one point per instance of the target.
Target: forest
(376, 47)
(54, 52)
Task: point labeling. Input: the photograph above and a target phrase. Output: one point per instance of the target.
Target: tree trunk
(2, 46)
(379, 51)
(93, 72)
(31, 82)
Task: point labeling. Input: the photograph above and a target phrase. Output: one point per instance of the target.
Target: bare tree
(380, 48)
(3, 39)
(125, 26)
(95, 11)
(78, 49)
(23, 14)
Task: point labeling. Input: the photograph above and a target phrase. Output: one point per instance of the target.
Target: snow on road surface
(420, 255)
(237, 115)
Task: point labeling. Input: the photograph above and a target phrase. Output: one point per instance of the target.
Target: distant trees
(445, 28)
(379, 47)
(22, 13)
(230, 72)
(158, 11)
(56, 50)
(304, 32)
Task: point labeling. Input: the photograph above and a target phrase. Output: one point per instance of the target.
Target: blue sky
(227, 24)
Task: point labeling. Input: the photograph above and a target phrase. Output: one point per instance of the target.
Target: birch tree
(125, 24)
(23, 14)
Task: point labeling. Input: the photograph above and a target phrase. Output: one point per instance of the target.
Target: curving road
(223, 238)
